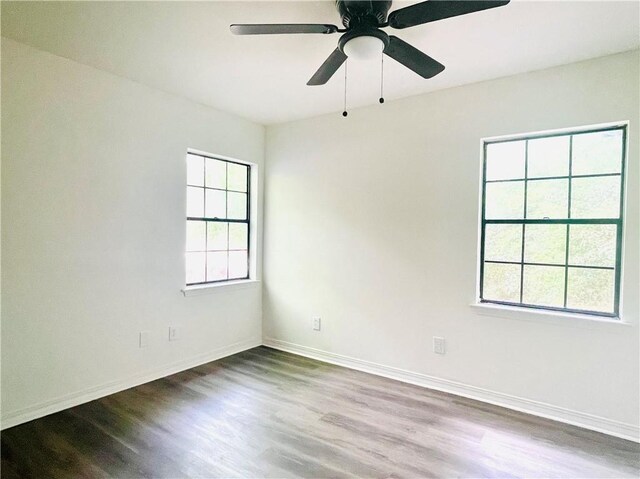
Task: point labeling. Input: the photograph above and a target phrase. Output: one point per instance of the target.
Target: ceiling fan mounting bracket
(356, 13)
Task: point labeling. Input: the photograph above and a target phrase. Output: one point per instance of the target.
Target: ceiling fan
(363, 38)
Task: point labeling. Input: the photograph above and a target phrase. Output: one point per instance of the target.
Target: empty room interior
(320, 239)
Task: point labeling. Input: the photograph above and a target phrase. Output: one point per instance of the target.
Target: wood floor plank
(266, 413)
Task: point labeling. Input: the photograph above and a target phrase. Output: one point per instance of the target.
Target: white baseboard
(576, 418)
(549, 411)
(45, 408)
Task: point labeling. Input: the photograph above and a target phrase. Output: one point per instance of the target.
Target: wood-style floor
(265, 413)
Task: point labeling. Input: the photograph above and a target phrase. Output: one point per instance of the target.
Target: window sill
(545, 316)
(220, 287)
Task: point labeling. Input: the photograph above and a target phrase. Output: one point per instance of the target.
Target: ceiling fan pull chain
(381, 100)
(344, 113)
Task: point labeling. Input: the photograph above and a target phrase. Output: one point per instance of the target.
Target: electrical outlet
(143, 340)
(316, 324)
(173, 333)
(438, 345)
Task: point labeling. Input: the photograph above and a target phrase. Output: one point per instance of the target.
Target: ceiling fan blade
(433, 10)
(279, 28)
(328, 68)
(412, 58)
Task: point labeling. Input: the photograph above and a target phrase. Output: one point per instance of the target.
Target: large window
(218, 228)
(552, 210)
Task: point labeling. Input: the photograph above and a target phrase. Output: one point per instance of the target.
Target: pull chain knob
(381, 99)
(344, 113)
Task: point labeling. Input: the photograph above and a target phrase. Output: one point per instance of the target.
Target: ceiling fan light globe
(364, 47)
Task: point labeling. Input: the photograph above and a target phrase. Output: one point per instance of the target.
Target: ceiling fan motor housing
(363, 19)
(357, 14)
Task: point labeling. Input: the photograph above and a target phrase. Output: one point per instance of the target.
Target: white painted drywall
(371, 223)
(93, 203)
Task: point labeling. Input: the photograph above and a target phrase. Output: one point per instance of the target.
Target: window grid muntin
(524, 215)
(568, 221)
(227, 221)
(537, 178)
(568, 232)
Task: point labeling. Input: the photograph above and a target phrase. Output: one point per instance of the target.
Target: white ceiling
(186, 48)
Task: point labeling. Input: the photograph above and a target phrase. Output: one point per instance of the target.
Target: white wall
(371, 223)
(93, 203)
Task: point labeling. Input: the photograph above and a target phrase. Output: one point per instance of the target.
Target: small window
(218, 227)
(552, 221)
